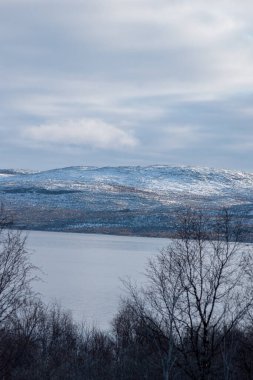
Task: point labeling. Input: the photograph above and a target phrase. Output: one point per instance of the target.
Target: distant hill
(119, 200)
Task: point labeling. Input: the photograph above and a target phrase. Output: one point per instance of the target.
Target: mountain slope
(136, 200)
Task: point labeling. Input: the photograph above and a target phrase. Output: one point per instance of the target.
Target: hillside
(119, 200)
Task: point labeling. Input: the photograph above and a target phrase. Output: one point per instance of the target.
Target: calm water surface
(82, 271)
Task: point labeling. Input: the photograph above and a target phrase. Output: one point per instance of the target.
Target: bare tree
(16, 270)
(199, 289)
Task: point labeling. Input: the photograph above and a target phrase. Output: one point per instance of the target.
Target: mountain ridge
(119, 199)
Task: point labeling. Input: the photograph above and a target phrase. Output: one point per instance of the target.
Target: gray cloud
(94, 133)
(170, 81)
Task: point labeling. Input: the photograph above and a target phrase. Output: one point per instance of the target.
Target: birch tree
(199, 289)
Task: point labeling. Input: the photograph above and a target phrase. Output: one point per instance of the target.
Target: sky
(126, 82)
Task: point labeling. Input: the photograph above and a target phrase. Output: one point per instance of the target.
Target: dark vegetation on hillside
(193, 320)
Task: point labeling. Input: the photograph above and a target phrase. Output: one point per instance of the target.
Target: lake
(82, 272)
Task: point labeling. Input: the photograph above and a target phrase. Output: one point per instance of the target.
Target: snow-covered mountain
(118, 199)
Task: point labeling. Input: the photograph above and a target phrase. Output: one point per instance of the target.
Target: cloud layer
(126, 82)
(88, 132)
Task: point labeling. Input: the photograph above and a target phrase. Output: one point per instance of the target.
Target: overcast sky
(126, 82)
